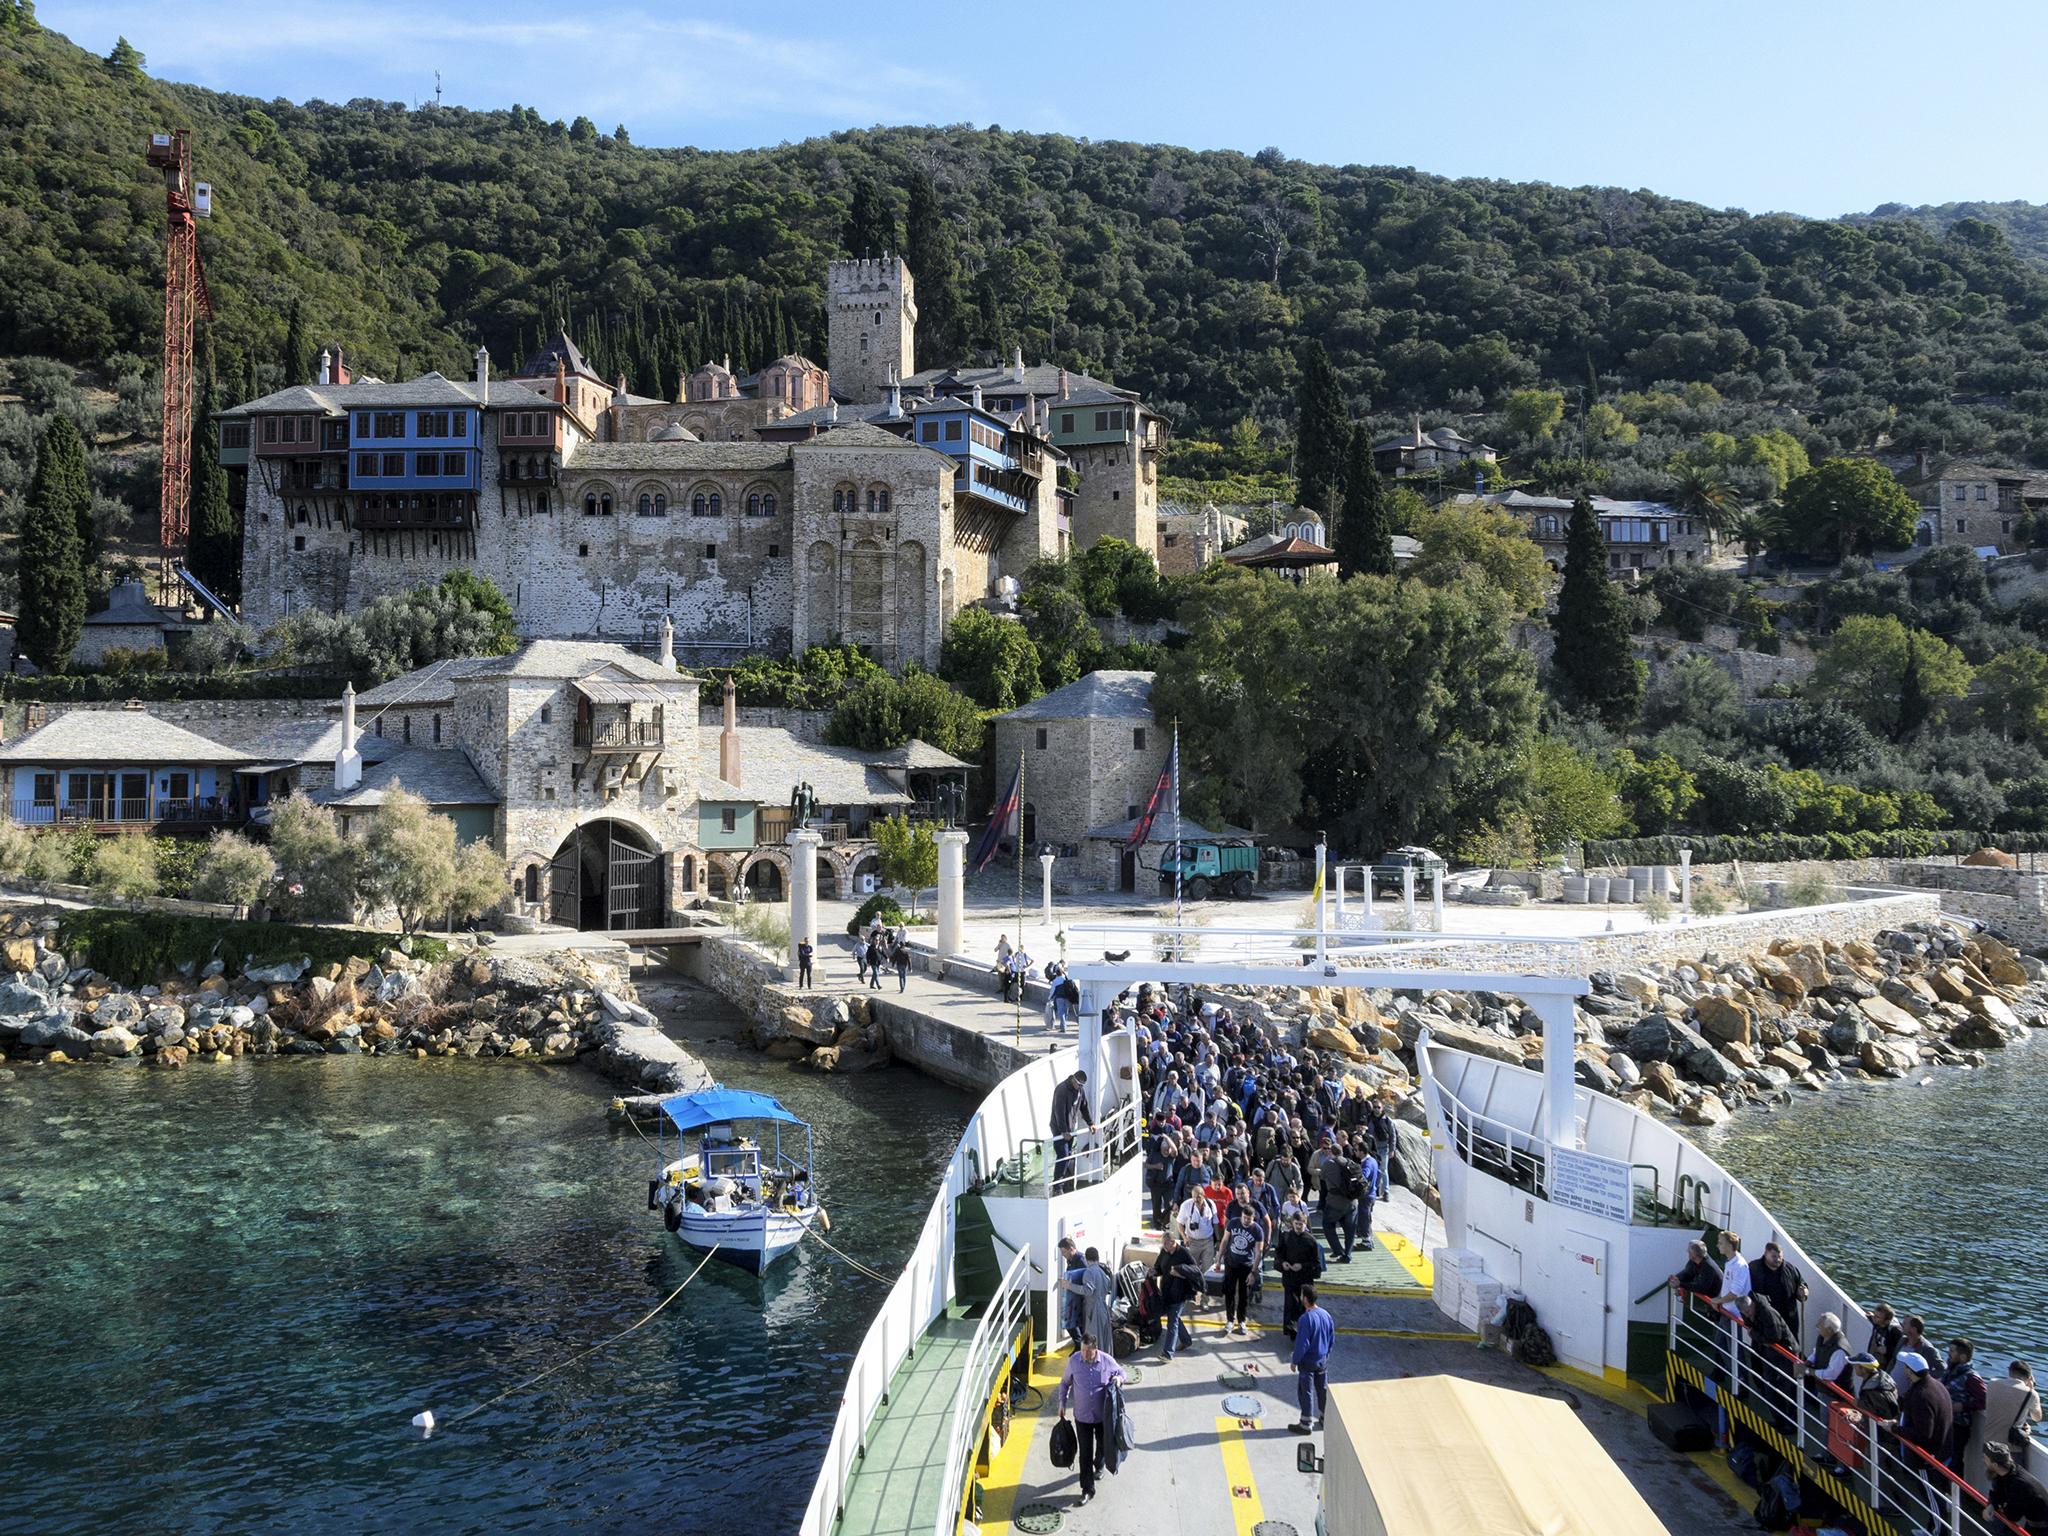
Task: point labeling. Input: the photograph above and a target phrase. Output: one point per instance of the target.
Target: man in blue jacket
(1314, 1332)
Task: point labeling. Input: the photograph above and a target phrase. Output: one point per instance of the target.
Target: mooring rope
(848, 1258)
(583, 1353)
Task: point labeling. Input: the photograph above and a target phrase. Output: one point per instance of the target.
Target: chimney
(1063, 383)
(561, 381)
(326, 366)
(1017, 363)
(483, 375)
(1418, 431)
(729, 737)
(975, 399)
(832, 414)
(895, 401)
(667, 658)
(348, 762)
(340, 366)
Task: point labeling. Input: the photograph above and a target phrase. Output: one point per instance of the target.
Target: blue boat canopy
(715, 1106)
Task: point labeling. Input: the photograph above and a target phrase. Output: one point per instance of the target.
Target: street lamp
(1045, 858)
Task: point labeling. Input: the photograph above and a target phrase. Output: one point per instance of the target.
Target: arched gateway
(606, 876)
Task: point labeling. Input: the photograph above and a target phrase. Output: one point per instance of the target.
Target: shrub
(1657, 907)
(876, 905)
(234, 870)
(1811, 887)
(766, 925)
(1710, 898)
(17, 846)
(51, 859)
(125, 867)
(138, 947)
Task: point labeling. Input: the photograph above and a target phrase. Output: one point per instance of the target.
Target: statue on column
(948, 797)
(803, 804)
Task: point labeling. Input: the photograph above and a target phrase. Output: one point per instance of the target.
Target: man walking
(1070, 1112)
(1180, 1281)
(1314, 1332)
(1301, 1261)
(1082, 1387)
(1244, 1249)
(1340, 1206)
(803, 962)
(902, 966)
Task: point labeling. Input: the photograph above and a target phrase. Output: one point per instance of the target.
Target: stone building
(1641, 536)
(1416, 452)
(1963, 501)
(1190, 537)
(1092, 754)
(871, 320)
(130, 622)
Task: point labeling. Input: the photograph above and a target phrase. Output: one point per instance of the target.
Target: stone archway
(765, 875)
(607, 875)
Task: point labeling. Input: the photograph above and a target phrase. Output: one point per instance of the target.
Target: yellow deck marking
(1005, 1478)
(1242, 1491)
(1409, 1257)
(1363, 1333)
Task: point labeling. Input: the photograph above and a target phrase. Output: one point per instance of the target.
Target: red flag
(1161, 793)
(998, 823)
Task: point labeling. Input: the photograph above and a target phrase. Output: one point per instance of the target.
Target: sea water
(225, 1291)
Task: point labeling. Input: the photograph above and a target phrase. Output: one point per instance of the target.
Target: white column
(1045, 864)
(1371, 919)
(1685, 881)
(1094, 1059)
(803, 892)
(1408, 894)
(1322, 905)
(952, 889)
(1338, 875)
(1560, 1117)
(1436, 896)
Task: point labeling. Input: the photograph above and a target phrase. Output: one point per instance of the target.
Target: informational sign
(1587, 1182)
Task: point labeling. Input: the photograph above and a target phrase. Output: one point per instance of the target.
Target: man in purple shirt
(1314, 1332)
(1088, 1372)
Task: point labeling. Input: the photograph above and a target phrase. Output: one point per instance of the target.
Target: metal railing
(1495, 1147)
(604, 734)
(1851, 1454)
(1094, 1156)
(1004, 1328)
(139, 810)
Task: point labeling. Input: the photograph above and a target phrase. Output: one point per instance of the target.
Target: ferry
(1577, 1203)
(723, 1192)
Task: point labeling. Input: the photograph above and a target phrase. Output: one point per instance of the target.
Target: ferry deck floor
(1206, 1469)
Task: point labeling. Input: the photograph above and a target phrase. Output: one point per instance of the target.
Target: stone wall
(1089, 773)
(2014, 901)
(803, 724)
(741, 972)
(1753, 671)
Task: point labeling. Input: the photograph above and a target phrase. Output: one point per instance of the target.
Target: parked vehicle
(1231, 869)
(1387, 868)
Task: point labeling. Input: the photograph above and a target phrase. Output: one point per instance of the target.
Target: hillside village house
(1963, 501)
(1641, 536)
(1417, 452)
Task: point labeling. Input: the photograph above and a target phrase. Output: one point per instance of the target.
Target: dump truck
(1229, 869)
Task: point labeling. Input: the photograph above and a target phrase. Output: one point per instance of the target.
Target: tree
(51, 573)
(1533, 414)
(583, 131)
(1594, 665)
(1702, 492)
(1890, 676)
(317, 866)
(2012, 695)
(233, 870)
(1365, 542)
(883, 712)
(870, 228)
(990, 659)
(909, 854)
(215, 555)
(1780, 455)
(1657, 790)
(125, 59)
(412, 865)
(934, 260)
(462, 615)
(1694, 691)
(1570, 797)
(1847, 506)
(1751, 530)
(1605, 424)
(293, 361)
(1467, 539)
(1322, 431)
(125, 867)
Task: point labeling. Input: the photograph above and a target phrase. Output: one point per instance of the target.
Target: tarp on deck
(1441, 1456)
(716, 1106)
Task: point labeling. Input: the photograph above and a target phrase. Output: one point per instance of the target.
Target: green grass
(135, 948)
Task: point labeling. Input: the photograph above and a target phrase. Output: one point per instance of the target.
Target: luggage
(1680, 1427)
(1065, 1442)
(1846, 1436)
(1778, 1503)
(1534, 1346)
(1123, 1341)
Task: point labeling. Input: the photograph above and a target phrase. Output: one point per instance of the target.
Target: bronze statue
(803, 804)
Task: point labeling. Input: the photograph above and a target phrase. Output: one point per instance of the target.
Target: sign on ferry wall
(1589, 1183)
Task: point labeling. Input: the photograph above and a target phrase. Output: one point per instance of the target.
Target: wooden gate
(632, 886)
(565, 884)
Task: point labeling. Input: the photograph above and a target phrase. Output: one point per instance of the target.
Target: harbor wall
(2015, 901)
(963, 1057)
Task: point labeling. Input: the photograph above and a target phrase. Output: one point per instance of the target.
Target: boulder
(1723, 1019)
(1847, 1034)
(1478, 1041)
(1787, 1059)
(1989, 1005)
(1636, 984)
(1807, 962)
(1888, 1016)
(1335, 1037)
(1707, 1109)
(1661, 1080)
(55, 1032)
(1991, 858)
(118, 1010)
(1411, 1166)
(1710, 1067)
(786, 1048)
(283, 973)
(626, 1012)
(1623, 1066)
(320, 988)
(1950, 985)
(17, 999)
(1663, 1038)
(114, 1041)
(18, 954)
(1978, 1033)
(799, 1023)
(1594, 1075)
(1883, 1059)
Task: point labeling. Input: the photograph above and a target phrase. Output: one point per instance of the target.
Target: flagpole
(1017, 997)
(1177, 870)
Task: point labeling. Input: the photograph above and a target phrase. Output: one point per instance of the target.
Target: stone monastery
(865, 503)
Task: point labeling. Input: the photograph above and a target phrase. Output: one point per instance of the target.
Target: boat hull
(748, 1240)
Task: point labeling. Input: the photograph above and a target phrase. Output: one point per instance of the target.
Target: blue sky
(1812, 106)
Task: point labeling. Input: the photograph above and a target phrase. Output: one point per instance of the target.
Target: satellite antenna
(437, 90)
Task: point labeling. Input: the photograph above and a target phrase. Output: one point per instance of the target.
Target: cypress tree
(929, 248)
(1913, 704)
(870, 228)
(216, 553)
(52, 576)
(1593, 666)
(1365, 534)
(293, 359)
(1322, 431)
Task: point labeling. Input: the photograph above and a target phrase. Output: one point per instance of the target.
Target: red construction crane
(185, 301)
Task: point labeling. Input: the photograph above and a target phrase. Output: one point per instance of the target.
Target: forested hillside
(408, 235)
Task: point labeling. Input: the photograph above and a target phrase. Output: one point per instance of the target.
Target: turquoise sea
(224, 1293)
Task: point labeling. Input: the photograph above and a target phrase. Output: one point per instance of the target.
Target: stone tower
(873, 324)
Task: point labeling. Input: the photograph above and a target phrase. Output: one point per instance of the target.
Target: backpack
(1533, 1346)
(1778, 1503)
(1519, 1318)
(1066, 1441)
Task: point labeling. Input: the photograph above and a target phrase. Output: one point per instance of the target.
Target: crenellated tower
(873, 324)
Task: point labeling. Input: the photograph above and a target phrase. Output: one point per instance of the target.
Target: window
(1137, 738)
(590, 506)
(389, 424)
(753, 504)
(1041, 738)
(458, 423)
(710, 551)
(426, 465)
(270, 429)
(843, 499)
(408, 730)
(774, 550)
(1980, 493)
(366, 464)
(1962, 493)
(700, 505)
(362, 423)
(1962, 525)
(532, 883)
(646, 505)
(437, 730)
(953, 431)
(768, 504)
(660, 504)
(547, 713)
(1066, 421)
(394, 464)
(1102, 421)
(582, 549)
(729, 819)
(298, 541)
(928, 431)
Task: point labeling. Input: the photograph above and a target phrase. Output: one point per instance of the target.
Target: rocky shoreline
(545, 1009)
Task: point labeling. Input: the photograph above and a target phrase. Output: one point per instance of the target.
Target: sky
(1804, 106)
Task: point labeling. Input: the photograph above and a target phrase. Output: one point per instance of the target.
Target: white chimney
(348, 762)
(1017, 363)
(895, 401)
(729, 737)
(667, 658)
(483, 375)
(326, 366)
(976, 399)
(832, 414)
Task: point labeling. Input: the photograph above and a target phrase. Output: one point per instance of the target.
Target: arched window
(646, 505)
(845, 499)
(717, 505)
(768, 504)
(699, 505)
(590, 506)
(753, 504)
(660, 504)
(604, 506)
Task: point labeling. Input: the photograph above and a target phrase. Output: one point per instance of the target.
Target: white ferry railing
(1495, 1147)
(996, 1339)
(1390, 948)
(1820, 1424)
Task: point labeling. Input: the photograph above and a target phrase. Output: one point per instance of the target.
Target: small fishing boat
(721, 1188)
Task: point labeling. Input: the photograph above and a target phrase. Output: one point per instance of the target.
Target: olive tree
(412, 865)
(234, 870)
